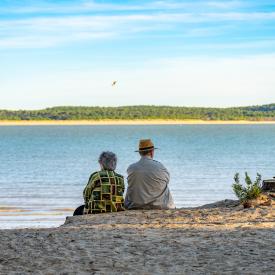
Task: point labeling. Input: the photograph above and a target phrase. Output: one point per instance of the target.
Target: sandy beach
(127, 122)
(222, 238)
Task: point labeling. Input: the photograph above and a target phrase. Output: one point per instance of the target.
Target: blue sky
(188, 53)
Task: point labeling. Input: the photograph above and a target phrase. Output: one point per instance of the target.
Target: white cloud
(30, 7)
(225, 4)
(62, 29)
(43, 41)
(246, 45)
(241, 16)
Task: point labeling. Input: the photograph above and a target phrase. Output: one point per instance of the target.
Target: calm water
(43, 170)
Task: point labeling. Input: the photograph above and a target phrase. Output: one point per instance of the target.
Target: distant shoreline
(127, 122)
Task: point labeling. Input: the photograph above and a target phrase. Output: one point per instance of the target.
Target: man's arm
(166, 174)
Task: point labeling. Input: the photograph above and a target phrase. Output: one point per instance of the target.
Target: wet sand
(10, 210)
(226, 239)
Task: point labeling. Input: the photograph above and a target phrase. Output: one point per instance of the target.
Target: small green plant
(252, 190)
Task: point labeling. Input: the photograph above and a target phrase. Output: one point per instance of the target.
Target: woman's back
(104, 193)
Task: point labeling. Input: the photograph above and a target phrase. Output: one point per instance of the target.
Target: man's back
(148, 185)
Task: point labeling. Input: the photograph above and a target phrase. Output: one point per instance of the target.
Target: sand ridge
(128, 122)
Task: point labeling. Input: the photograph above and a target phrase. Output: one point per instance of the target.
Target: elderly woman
(105, 188)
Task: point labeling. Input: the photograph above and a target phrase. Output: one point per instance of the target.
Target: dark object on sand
(219, 204)
(79, 210)
(269, 185)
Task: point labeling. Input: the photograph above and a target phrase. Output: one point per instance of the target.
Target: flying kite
(114, 83)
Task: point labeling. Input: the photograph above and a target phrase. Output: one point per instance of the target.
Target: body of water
(43, 169)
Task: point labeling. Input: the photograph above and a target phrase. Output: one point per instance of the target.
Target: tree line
(262, 112)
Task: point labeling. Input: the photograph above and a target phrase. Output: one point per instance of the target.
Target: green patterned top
(104, 193)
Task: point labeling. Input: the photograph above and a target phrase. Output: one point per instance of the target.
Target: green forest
(254, 113)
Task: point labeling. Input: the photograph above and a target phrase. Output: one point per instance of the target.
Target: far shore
(126, 122)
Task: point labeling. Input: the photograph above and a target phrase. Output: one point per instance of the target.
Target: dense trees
(263, 112)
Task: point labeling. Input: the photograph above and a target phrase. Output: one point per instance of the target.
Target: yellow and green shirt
(104, 193)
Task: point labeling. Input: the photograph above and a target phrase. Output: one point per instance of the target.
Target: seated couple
(147, 185)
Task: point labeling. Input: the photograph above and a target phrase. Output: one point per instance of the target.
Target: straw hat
(146, 145)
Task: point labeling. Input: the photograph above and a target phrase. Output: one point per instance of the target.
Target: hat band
(146, 148)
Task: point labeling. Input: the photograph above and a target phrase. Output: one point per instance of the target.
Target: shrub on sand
(251, 190)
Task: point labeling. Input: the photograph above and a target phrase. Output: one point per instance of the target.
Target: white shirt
(148, 186)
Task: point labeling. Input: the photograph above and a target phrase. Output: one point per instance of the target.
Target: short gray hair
(108, 160)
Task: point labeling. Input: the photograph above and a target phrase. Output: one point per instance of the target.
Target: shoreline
(130, 122)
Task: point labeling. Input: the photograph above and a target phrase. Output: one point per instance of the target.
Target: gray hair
(108, 160)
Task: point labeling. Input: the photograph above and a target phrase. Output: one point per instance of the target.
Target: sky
(178, 53)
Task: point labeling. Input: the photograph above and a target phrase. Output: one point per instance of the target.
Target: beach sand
(221, 238)
(126, 122)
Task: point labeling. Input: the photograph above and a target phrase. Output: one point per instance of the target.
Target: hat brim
(142, 150)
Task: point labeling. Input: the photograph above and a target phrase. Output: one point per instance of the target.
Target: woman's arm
(89, 188)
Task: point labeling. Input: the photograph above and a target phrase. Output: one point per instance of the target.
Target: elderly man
(104, 190)
(148, 181)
